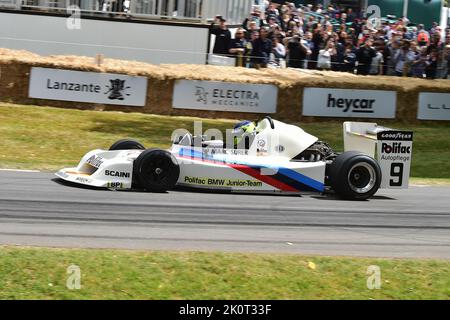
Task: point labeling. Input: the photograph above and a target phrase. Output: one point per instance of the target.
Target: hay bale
(15, 66)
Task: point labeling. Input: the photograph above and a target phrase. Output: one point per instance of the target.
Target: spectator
(223, 36)
(306, 37)
(350, 15)
(441, 72)
(403, 59)
(252, 26)
(364, 56)
(262, 47)
(309, 45)
(340, 51)
(278, 51)
(327, 56)
(349, 59)
(376, 67)
(389, 54)
(431, 68)
(433, 28)
(419, 64)
(317, 40)
(423, 37)
(238, 47)
(254, 21)
(297, 52)
(249, 49)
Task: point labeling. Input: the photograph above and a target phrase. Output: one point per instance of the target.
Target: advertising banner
(434, 106)
(91, 87)
(349, 103)
(225, 96)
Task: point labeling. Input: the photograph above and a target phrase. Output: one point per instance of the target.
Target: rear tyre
(354, 176)
(156, 170)
(126, 144)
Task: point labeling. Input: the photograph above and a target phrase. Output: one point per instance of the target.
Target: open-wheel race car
(267, 156)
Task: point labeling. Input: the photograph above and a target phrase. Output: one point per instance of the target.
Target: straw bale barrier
(15, 69)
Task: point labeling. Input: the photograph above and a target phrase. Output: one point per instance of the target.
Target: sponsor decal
(202, 95)
(261, 143)
(83, 180)
(117, 89)
(434, 106)
(222, 182)
(327, 102)
(352, 105)
(68, 85)
(395, 135)
(115, 185)
(243, 98)
(284, 179)
(261, 147)
(95, 161)
(225, 96)
(395, 148)
(119, 174)
(212, 151)
(394, 153)
(438, 107)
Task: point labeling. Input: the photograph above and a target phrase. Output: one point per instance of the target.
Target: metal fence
(200, 10)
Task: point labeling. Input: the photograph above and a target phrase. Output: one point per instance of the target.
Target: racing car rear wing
(391, 148)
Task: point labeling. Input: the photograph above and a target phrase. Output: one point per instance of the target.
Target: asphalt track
(37, 210)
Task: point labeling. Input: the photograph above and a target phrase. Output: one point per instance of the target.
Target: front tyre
(126, 144)
(156, 170)
(354, 176)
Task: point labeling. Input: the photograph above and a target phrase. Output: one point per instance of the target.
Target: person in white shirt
(376, 67)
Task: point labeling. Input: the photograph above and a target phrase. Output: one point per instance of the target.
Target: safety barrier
(230, 92)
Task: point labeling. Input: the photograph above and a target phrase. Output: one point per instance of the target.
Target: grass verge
(51, 138)
(37, 273)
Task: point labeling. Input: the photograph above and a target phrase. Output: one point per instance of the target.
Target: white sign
(434, 106)
(349, 103)
(394, 151)
(225, 96)
(92, 87)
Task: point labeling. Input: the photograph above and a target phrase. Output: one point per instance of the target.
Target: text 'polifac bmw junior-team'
(265, 156)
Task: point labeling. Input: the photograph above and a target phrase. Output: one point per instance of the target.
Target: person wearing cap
(223, 36)
(253, 22)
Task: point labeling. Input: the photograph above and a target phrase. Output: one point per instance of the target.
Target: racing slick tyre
(354, 176)
(156, 170)
(126, 144)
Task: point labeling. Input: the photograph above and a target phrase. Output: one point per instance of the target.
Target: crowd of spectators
(306, 38)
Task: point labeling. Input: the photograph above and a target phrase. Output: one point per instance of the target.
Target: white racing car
(263, 157)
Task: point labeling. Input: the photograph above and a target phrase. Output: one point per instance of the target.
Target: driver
(241, 130)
